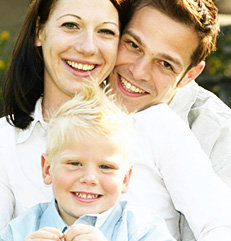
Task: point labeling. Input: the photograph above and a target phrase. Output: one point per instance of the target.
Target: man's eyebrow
(170, 58)
(135, 36)
(165, 56)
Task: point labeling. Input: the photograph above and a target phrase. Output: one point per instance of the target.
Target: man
(161, 52)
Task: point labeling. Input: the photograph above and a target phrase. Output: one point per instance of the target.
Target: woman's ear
(46, 169)
(192, 74)
(126, 180)
(38, 42)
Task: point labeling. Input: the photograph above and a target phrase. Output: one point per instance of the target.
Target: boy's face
(87, 176)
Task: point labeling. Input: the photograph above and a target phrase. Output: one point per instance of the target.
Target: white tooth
(130, 88)
(86, 67)
(80, 66)
(128, 85)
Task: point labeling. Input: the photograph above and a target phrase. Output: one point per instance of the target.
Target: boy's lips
(86, 195)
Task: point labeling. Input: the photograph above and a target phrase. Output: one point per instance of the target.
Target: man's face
(154, 54)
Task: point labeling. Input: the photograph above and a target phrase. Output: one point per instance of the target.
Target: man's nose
(141, 69)
(86, 43)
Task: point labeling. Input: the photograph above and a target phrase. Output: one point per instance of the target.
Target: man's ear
(46, 169)
(38, 36)
(192, 74)
(126, 180)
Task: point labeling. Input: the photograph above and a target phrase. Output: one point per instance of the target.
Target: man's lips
(129, 87)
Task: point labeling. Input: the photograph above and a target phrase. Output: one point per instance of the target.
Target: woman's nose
(86, 43)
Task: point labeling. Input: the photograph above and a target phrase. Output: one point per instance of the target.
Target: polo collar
(184, 99)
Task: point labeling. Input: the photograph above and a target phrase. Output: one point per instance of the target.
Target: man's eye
(166, 65)
(70, 25)
(133, 45)
(107, 31)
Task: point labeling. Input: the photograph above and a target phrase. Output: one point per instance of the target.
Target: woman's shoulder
(7, 131)
(5, 125)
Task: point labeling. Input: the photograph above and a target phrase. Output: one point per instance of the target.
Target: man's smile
(129, 87)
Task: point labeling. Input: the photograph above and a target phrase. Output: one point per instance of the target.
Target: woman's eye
(105, 167)
(70, 25)
(107, 31)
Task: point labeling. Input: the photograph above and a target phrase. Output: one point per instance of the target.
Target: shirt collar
(23, 135)
(184, 99)
(51, 217)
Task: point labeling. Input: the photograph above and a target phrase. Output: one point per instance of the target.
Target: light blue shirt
(122, 222)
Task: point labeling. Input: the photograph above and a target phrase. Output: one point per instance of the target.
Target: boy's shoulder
(24, 224)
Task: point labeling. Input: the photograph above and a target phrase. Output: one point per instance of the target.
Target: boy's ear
(192, 74)
(126, 180)
(38, 36)
(46, 169)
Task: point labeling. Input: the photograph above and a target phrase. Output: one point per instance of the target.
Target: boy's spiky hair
(91, 112)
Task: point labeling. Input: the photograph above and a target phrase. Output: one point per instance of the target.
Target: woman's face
(79, 40)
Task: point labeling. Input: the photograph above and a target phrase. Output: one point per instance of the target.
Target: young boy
(88, 162)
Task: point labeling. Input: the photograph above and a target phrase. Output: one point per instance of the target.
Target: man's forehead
(156, 31)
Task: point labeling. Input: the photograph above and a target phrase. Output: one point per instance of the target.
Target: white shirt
(210, 120)
(21, 182)
(171, 173)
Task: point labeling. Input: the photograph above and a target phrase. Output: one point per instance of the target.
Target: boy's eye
(70, 25)
(75, 164)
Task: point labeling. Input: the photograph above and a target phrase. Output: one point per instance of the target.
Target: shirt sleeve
(154, 231)
(7, 200)
(196, 191)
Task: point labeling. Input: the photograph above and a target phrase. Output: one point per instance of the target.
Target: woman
(60, 43)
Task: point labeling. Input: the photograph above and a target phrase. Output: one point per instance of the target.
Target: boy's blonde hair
(89, 113)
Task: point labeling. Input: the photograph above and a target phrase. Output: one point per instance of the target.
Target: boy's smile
(86, 178)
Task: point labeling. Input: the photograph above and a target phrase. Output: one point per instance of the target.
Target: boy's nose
(89, 178)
